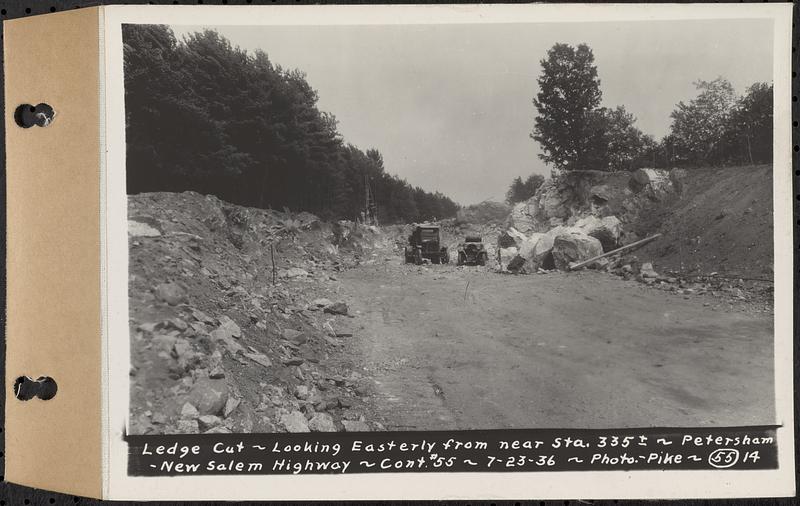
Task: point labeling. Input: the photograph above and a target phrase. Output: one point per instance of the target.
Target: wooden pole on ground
(632, 245)
(272, 257)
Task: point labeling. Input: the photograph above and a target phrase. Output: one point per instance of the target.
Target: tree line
(206, 116)
(520, 190)
(575, 133)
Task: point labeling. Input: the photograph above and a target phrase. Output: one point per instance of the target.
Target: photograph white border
(468, 486)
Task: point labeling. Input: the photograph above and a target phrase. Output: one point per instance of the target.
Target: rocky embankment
(581, 215)
(715, 229)
(235, 322)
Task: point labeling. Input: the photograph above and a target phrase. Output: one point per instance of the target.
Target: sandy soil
(722, 222)
(465, 348)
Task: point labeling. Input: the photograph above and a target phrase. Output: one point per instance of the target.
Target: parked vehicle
(425, 242)
(472, 251)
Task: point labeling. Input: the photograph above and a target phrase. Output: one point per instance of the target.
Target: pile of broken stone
(565, 223)
(228, 380)
(560, 246)
(221, 344)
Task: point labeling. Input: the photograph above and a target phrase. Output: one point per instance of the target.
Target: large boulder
(295, 336)
(520, 219)
(654, 183)
(209, 396)
(600, 194)
(508, 254)
(141, 229)
(527, 246)
(171, 293)
(548, 205)
(518, 236)
(505, 240)
(647, 271)
(607, 230)
(226, 323)
(294, 422)
(322, 422)
(511, 238)
(337, 308)
(516, 264)
(572, 246)
(587, 223)
(541, 254)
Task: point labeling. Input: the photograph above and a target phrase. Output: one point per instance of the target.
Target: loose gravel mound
(234, 318)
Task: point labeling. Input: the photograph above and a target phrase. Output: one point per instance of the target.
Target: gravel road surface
(465, 348)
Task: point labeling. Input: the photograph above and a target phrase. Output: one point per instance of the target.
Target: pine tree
(204, 115)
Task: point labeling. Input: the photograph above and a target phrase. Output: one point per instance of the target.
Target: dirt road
(463, 348)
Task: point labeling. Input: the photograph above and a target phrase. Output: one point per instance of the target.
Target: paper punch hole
(28, 115)
(44, 388)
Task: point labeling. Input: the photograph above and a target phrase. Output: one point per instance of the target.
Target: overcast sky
(449, 106)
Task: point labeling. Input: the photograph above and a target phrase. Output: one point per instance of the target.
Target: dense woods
(204, 115)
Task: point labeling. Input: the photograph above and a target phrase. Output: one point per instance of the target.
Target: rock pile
(577, 216)
(574, 245)
(719, 292)
(222, 341)
(564, 199)
(561, 245)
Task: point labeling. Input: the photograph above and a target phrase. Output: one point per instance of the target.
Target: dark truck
(425, 242)
(472, 251)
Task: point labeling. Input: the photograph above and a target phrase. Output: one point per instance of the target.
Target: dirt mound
(234, 318)
(720, 222)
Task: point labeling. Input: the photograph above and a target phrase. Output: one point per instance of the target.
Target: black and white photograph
(455, 226)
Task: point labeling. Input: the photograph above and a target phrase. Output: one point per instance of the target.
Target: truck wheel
(444, 256)
(418, 257)
(435, 259)
(462, 258)
(482, 259)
